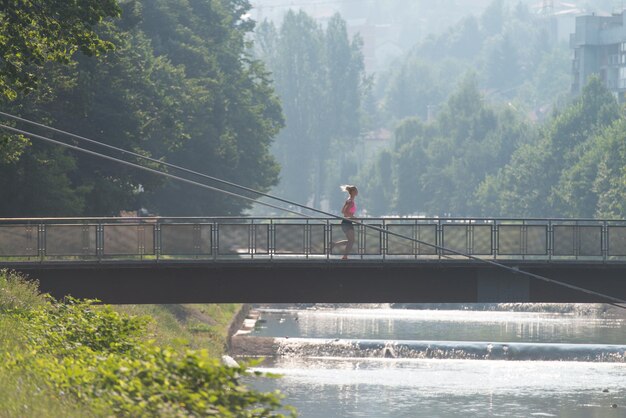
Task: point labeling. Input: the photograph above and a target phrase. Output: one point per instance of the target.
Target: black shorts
(346, 226)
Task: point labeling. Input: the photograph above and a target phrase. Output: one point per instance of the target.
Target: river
(382, 362)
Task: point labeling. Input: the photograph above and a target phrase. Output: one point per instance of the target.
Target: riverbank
(76, 358)
(194, 326)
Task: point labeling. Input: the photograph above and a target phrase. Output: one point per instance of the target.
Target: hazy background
(437, 108)
(460, 108)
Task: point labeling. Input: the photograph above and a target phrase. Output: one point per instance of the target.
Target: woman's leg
(349, 242)
(344, 227)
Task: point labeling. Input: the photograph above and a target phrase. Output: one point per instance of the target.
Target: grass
(25, 390)
(187, 326)
(21, 395)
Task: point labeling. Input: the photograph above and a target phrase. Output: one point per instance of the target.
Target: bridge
(289, 260)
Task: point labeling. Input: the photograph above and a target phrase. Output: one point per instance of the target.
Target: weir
(466, 350)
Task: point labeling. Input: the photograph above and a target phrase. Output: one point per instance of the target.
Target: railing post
(383, 240)
(252, 240)
(604, 241)
(214, 239)
(272, 239)
(550, 242)
(141, 237)
(157, 240)
(99, 241)
(41, 241)
(439, 238)
(576, 240)
(494, 239)
(523, 239)
(469, 242)
(328, 239)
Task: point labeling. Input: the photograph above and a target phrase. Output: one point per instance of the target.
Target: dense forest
(168, 79)
(320, 79)
(483, 122)
(481, 116)
(507, 137)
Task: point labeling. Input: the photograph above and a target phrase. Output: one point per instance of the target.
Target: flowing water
(354, 362)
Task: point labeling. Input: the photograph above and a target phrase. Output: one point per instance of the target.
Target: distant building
(599, 44)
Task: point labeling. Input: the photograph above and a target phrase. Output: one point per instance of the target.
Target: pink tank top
(352, 208)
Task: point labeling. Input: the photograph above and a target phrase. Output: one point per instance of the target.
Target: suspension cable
(610, 299)
(164, 163)
(151, 170)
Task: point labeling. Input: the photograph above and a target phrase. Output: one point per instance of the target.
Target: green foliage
(319, 75)
(437, 168)
(187, 326)
(180, 85)
(415, 86)
(32, 33)
(43, 171)
(230, 110)
(517, 60)
(379, 183)
(475, 160)
(91, 357)
(61, 327)
(157, 381)
(492, 19)
(17, 294)
(564, 172)
(488, 145)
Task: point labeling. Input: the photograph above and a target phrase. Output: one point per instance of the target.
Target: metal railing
(212, 239)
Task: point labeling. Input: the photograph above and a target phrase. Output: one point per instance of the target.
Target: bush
(94, 356)
(17, 293)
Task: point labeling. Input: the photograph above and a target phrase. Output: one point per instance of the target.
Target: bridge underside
(333, 282)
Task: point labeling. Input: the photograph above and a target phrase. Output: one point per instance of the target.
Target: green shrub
(82, 354)
(17, 293)
(59, 327)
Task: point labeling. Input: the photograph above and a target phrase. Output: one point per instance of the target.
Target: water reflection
(452, 388)
(337, 382)
(400, 324)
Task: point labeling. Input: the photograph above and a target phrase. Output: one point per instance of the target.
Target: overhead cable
(612, 300)
(164, 163)
(97, 154)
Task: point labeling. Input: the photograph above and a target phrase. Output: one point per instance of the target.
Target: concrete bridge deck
(357, 281)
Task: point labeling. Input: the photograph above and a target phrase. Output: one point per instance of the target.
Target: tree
(378, 181)
(492, 19)
(438, 167)
(231, 112)
(128, 86)
(502, 67)
(347, 85)
(558, 174)
(410, 164)
(38, 183)
(609, 184)
(569, 137)
(319, 76)
(519, 188)
(414, 87)
(182, 87)
(300, 80)
(32, 33)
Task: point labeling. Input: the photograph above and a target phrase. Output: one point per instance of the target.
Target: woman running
(347, 211)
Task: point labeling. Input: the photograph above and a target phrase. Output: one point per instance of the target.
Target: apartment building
(599, 44)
